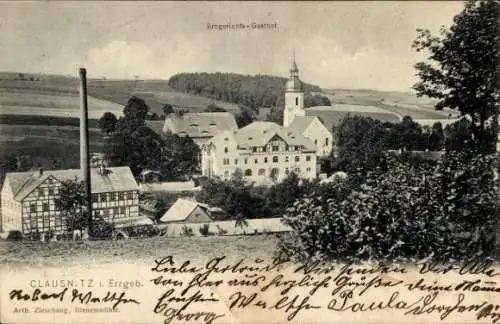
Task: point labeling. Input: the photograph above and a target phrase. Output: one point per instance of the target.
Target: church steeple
(294, 95)
(294, 84)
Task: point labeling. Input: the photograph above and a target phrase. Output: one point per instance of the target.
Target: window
(49, 180)
(32, 208)
(316, 141)
(45, 207)
(256, 161)
(226, 174)
(297, 170)
(112, 196)
(254, 149)
(226, 150)
(264, 149)
(308, 158)
(297, 158)
(262, 172)
(115, 211)
(265, 160)
(225, 161)
(276, 148)
(103, 196)
(246, 161)
(130, 195)
(275, 159)
(286, 158)
(296, 101)
(121, 196)
(94, 198)
(122, 210)
(326, 141)
(248, 172)
(287, 171)
(308, 169)
(41, 192)
(235, 161)
(51, 191)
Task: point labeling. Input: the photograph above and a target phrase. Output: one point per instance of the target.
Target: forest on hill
(250, 91)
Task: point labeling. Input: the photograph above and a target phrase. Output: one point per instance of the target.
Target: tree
(179, 156)
(312, 100)
(168, 109)
(235, 196)
(70, 202)
(107, 122)
(214, 108)
(436, 138)
(360, 142)
(463, 73)
(136, 109)
(275, 115)
(244, 117)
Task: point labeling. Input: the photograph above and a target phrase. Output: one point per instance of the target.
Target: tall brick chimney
(84, 145)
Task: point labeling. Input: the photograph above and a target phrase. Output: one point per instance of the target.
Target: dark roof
(205, 124)
(114, 179)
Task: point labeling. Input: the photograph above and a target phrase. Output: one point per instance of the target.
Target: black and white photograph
(249, 162)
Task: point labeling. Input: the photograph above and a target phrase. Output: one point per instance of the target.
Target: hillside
(56, 95)
(253, 91)
(402, 103)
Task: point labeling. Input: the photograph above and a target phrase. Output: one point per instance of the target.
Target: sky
(357, 45)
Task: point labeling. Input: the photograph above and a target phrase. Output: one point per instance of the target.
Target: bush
(204, 230)
(187, 231)
(409, 212)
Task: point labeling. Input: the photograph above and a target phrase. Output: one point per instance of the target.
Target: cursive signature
(76, 295)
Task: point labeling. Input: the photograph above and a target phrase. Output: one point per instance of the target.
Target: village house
(28, 199)
(189, 211)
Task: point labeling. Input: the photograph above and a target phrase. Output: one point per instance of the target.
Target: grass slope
(402, 103)
(54, 95)
(44, 144)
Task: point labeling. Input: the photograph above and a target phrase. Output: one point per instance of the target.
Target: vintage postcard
(249, 162)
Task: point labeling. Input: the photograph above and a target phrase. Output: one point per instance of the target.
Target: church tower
(294, 96)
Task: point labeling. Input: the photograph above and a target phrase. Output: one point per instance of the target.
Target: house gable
(198, 215)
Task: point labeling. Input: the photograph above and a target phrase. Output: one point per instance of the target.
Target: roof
(156, 125)
(205, 124)
(333, 115)
(180, 210)
(300, 123)
(115, 179)
(260, 133)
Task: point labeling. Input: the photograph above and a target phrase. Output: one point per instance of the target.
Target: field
(47, 143)
(53, 254)
(51, 95)
(402, 103)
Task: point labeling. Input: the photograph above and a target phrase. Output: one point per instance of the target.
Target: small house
(187, 211)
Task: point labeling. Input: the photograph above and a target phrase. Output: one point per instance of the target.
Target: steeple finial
(294, 65)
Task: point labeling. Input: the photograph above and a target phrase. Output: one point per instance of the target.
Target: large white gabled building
(261, 150)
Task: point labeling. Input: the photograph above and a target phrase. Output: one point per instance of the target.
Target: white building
(28, 199)
(261, 151)
(294, 116)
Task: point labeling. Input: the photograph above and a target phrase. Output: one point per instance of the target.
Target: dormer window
(194, 125)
